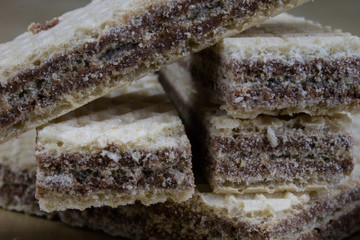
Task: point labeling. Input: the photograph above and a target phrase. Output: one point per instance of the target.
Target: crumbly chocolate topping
(159, 159)
(119, 52)
(38, 27)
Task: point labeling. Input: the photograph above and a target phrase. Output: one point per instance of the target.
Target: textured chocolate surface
(9, 175)
(145, 160)
(96, 171)
(231, 171)
(257, 143)
(250, 160)
(88, 182)
(324, 86)
(338, 228)
(17, 191)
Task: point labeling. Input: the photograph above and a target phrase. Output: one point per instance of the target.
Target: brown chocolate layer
(338, 228)
(126, 221)
(285, 169)
(22, 177)
(324, 94)
(23, 194)
(119, 51)
(88, 181)
(255, 145)
(294, 158)
(18, 191)
(305, 82)
(330, 70)
(245, 71)
(146, 160)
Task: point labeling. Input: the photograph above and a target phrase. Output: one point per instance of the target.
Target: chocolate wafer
(69, 61)
(125, 147)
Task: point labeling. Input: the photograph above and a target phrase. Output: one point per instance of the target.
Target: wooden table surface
(16, 15)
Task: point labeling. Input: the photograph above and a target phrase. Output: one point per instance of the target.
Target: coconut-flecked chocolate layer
(284, 88)
(38, 94)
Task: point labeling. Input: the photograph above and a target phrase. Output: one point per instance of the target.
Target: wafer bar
(265, 154)
(125, 147)
(285, 66)
(59, 66)
(332, 214)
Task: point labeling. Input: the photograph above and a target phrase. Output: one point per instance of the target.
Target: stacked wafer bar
(125, 147)
(129, 147)
(57, 67)
(285, 66)
(207, 215)
(268, 153)
(309, 215)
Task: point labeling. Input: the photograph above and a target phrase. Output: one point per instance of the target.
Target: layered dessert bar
(268, 154)
(285, 66)
(125, 147)
(332, 214)
(71, 60)
(265, 154)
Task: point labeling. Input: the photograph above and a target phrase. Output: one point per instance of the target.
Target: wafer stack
(125, 147)
(305, 215)
(269, 113)
(84, 54)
